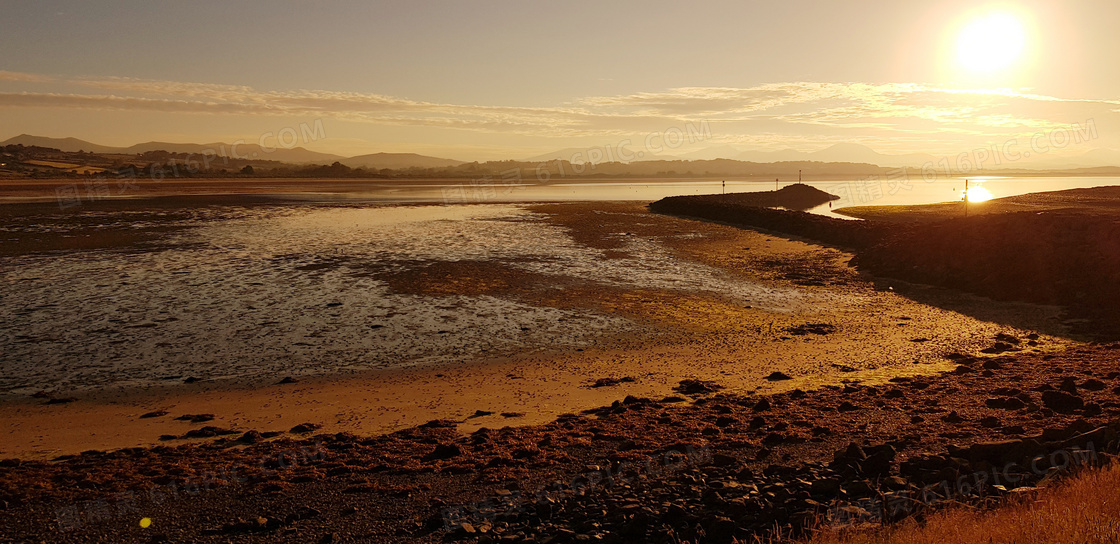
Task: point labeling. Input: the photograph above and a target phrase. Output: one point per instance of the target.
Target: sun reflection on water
(978, 194)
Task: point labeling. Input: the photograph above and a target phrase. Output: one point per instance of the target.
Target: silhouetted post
(799, 176)
(966, 198)
(724, 186)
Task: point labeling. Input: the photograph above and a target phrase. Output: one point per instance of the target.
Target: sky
(474, 80)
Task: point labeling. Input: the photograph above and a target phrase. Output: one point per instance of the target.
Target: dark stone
(697, 387)
(304, 428)
(725, 421)
(1069, 385)
(778, 376)
(196, 418)
(1060, 402)
(444, 451)
(1092, 385)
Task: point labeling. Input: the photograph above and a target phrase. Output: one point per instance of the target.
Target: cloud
(24, 77)
(804, 109)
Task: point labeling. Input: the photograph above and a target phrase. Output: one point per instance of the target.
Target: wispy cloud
(878, 110)
(24, 77)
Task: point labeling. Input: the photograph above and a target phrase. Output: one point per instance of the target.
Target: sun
(991, 42)
(978, 194)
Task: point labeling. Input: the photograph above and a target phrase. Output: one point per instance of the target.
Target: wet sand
(673, 331)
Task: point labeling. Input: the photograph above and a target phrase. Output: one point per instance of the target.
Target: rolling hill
(398, 161)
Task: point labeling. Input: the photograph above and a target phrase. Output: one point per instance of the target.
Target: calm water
(882, 192)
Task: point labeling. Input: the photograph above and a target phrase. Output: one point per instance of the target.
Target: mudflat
(614, 303)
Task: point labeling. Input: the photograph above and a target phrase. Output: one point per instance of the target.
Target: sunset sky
(486, 80)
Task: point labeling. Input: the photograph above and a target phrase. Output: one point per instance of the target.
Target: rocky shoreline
(697, 466)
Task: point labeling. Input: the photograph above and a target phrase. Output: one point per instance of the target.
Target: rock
(999, 347)
(192, 379)
(847, 407)
(1060, 402)
(611, 382)
(778, 376)
(811, 328)
(1003, 451)
(250, 437)
(208, 432)
(480, 413)
(1007, 338)
(287, 380)
(196, 418)
(877, 464)
(917, 419)
(61, 400)
(444, 451)
(157, 413)
(439, 424)
(761, 406)
(953, 417)
(304, 428)
(1069, 385)
(989, 422)
(722, 531)
(725, 421)
(697, 387)
(721, 460)
(757, 422)
(1092, 385)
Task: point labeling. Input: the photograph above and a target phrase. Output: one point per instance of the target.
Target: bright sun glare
(991, 42)
(978, 194)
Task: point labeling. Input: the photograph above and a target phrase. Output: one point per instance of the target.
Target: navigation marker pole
(966, 198)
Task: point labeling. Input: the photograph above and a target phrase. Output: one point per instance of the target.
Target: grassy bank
(1083, 509)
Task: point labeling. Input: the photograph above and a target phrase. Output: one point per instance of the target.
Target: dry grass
(1085, 509)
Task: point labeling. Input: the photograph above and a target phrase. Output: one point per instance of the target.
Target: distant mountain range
(396, 161)
(838, 153)
(843, 152)
(294, 155)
